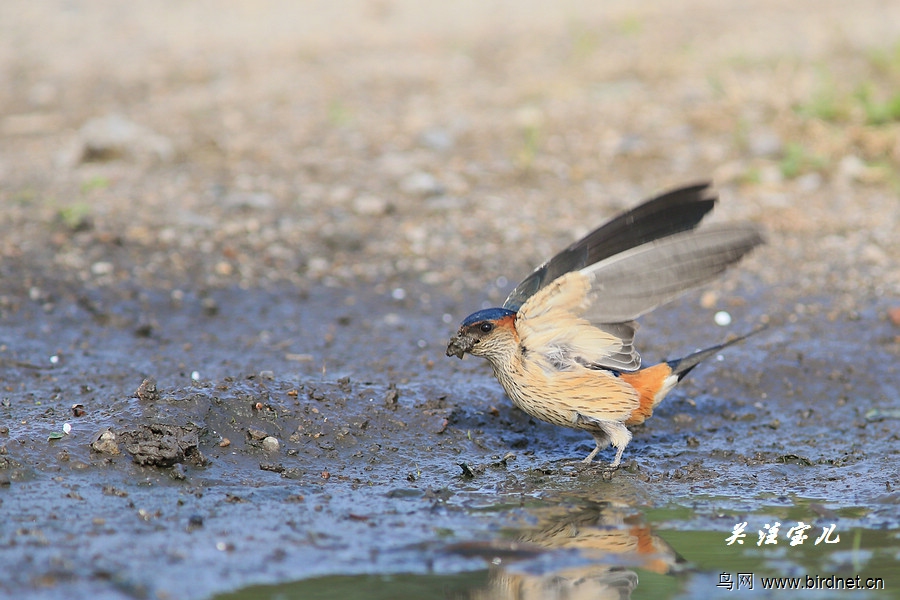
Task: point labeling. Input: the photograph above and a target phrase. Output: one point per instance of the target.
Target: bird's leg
(619, 436)
(602, 442)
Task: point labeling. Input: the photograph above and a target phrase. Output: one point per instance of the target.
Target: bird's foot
(606, 471)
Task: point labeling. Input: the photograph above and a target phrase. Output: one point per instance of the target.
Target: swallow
(562, 344)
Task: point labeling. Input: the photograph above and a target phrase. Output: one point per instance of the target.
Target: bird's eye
(486, 327)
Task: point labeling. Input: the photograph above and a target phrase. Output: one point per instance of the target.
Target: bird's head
(490, 333)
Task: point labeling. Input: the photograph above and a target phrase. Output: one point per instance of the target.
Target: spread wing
(627, 285)
(668, 214)
(587, 316)
(552, 324)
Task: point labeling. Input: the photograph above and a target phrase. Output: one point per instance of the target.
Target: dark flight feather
(670, 213)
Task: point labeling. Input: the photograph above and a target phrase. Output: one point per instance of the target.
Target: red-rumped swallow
(562, 343)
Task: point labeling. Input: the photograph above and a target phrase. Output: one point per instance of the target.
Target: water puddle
(570, 547)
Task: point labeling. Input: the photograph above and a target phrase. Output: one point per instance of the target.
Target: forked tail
(682, 366)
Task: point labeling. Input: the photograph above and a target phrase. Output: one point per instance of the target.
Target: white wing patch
(551, 324)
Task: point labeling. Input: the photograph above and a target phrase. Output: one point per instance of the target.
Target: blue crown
(488, 314)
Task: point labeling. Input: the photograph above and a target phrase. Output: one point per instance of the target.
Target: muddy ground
(235, 239)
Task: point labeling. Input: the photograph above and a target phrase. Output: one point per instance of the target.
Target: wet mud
(172, 483)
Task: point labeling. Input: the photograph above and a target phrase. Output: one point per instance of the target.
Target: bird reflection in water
(573, 553)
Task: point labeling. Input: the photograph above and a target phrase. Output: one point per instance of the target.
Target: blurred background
(388, 140)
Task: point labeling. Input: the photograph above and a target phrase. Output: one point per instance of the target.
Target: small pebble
(722, 318)
(105, 443)
(147, 391)
(256, 434)
(271, 444)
